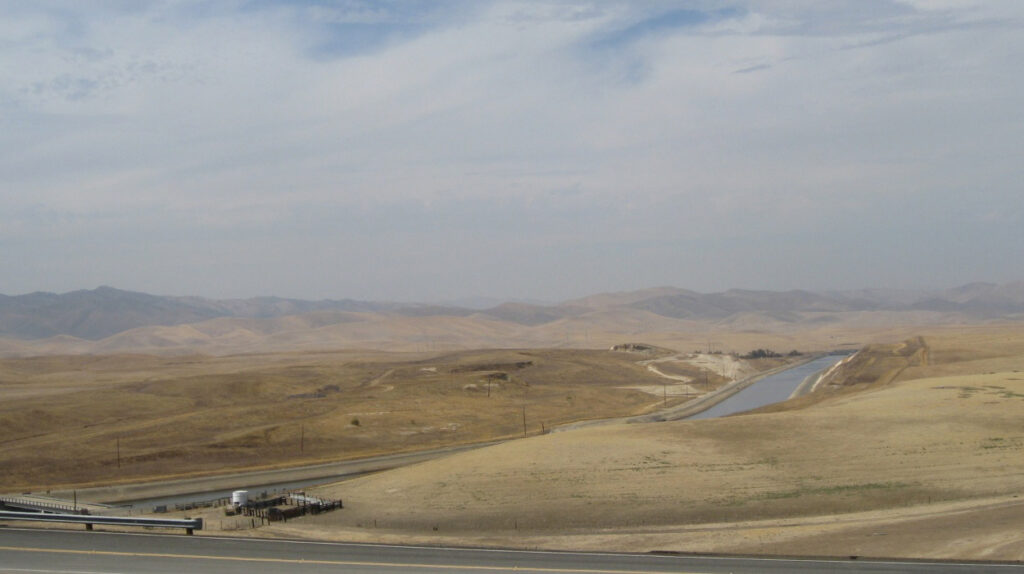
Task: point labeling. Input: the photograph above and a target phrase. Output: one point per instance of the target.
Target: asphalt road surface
(26, 551)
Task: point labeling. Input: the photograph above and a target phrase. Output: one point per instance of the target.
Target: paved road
(71, 552)
(147, 494)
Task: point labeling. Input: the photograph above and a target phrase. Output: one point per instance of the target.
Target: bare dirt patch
(724, 365)
(692, 374)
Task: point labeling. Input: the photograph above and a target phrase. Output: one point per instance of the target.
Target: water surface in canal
(772, 389)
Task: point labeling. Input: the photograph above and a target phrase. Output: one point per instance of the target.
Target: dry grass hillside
(381, 332)
(110, 321)
(81, 319)
(929, 464)
(85, 419)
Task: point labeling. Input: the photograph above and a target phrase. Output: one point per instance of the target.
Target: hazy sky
(426, 151)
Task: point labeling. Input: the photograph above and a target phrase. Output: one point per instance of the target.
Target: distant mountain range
(104, 312)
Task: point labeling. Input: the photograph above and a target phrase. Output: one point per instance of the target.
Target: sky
(545, 150)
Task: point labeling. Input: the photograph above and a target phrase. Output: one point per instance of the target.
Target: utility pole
(118, 452)
(524, 421)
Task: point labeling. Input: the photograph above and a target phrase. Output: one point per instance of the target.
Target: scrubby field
(85, 419)
(928, 464)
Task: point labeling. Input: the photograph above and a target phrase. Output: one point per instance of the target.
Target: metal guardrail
(189, 525)
(36, 505)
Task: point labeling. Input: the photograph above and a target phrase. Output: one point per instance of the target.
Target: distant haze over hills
(105, 312)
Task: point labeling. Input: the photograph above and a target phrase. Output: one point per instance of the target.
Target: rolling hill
(106, 319)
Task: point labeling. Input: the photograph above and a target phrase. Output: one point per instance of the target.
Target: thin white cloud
(666, 126)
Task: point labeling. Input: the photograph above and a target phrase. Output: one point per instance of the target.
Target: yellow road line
(323, 562)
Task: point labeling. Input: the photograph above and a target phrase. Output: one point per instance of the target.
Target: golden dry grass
(941, 445)
(918, 454)
(70, 419)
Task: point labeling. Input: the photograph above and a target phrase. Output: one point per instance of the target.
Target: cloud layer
(430, 151)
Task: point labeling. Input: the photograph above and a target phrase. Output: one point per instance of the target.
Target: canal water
(772, 389)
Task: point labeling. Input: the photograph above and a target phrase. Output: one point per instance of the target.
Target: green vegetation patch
(998, 442)
(841, 490)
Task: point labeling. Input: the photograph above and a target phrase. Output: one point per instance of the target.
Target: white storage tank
(240, 497)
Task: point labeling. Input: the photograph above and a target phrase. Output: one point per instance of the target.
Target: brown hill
(108, 320)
